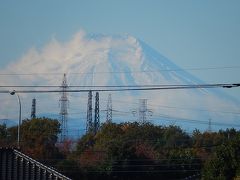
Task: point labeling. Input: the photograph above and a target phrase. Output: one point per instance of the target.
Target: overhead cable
(132, 88)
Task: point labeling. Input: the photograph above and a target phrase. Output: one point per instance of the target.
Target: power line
(169, 107)
(224, 85)
(174, 107)
(194, 109)
(137, 88)
(127, 72)
(191, 120)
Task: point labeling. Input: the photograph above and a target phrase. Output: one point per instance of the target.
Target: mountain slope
(118, 60)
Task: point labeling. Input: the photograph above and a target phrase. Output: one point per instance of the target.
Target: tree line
(130, 151)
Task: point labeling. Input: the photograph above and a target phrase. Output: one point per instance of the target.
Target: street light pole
(19, 117)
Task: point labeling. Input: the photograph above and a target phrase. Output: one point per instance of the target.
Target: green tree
(3, 135)
(134, 147)
(39, 136)
(224, 162)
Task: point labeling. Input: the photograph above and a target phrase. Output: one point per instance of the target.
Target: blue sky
(193, 34)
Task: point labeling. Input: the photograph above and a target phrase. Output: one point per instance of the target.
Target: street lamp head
(12, 92)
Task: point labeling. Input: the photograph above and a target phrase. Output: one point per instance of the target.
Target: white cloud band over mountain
(112, 60)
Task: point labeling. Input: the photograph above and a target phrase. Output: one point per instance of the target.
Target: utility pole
(64, 109)
(19, 117)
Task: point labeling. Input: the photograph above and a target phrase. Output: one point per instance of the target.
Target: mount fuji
(121, 60)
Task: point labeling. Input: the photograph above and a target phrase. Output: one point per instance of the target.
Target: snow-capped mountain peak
(114, 60)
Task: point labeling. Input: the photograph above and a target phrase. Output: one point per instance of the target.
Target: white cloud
(84, 54)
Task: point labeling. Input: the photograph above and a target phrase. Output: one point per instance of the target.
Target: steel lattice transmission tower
(143, 111)
(64, 109)
(209, 125)
(33, 110)
(89, 124)
(97, 116)
(109, 109)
